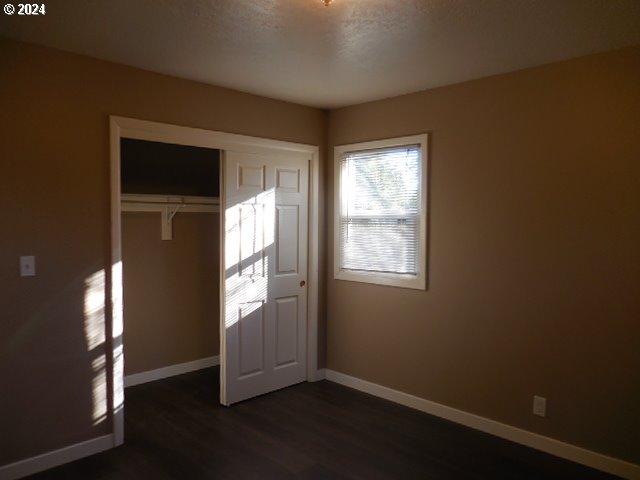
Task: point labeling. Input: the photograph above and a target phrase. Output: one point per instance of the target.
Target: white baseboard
(508, 432)
(321, 374)
(54, 458)
(71, 453)
(170, 371)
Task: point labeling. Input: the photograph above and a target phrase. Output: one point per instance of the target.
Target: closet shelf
(168, 206)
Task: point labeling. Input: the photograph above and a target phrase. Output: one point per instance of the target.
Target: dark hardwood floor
(175, 429)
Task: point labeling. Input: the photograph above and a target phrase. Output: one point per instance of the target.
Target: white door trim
(121, 127)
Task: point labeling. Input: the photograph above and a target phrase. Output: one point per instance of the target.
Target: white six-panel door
(264, 322)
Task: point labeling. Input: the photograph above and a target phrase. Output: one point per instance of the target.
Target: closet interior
(171, 254)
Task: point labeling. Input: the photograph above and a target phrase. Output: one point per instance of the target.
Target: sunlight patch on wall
(94, 299)
(99, 390)
(94, 331)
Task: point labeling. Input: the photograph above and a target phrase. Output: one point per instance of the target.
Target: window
(380, 212)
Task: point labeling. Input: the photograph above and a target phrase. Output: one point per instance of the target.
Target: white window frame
(418, 281)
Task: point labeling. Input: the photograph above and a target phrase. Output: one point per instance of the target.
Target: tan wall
(171, 290)
(54, 187)
(533, 253)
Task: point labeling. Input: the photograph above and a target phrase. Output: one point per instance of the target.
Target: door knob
(303, 283)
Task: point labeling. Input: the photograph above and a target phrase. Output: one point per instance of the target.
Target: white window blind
(381, 210)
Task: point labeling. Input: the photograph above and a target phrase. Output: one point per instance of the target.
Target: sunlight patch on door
(248, 247)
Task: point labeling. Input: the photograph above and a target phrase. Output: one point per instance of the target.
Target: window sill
(386, 279)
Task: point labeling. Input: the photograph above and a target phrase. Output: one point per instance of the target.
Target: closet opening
(170, 227)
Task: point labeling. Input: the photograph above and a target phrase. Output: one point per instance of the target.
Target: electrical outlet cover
(27, 266)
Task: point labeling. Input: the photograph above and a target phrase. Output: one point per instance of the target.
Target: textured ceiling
(350, 52)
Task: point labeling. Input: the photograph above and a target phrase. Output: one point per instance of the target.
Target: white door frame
(122, 127)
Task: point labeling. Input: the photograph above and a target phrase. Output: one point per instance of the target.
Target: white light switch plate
(27, 266)
(539, 406)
